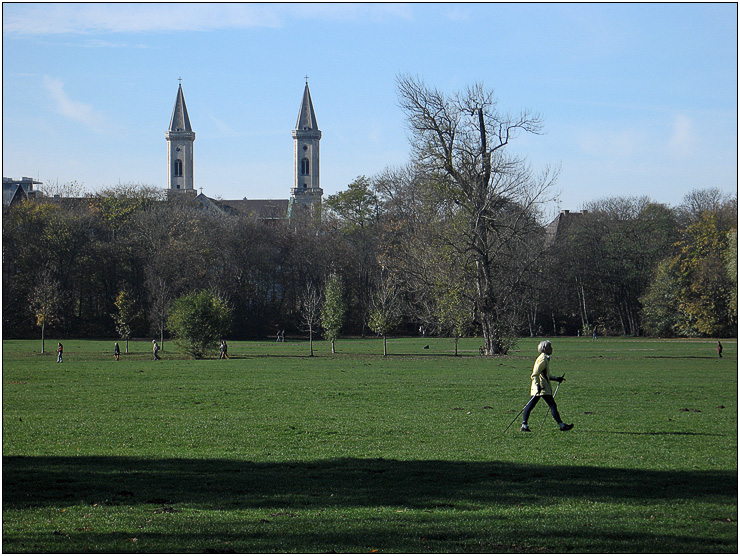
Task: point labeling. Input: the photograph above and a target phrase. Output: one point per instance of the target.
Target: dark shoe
(564, 427)
(525, 428)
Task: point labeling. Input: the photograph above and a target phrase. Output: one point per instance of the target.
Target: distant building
(558, 226)
(15, 191)
(306, 190)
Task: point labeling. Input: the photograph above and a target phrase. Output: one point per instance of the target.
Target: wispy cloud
(74, 110)
(224, 129)
(58, 19)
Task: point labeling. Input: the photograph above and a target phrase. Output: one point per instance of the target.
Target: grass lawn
(274, 451)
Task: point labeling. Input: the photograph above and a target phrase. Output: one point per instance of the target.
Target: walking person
(719, 349)
(155, 350)
(223, 351)
(116, 351)
(60, 352)
(541, 387)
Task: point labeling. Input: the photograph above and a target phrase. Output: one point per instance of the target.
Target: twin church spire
(306, 136)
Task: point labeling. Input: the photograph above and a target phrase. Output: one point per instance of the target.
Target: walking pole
(517, 417)
(549, 410)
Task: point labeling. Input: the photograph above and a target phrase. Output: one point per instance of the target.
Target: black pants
(533, 402)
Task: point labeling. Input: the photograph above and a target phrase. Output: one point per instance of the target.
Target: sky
(637, 99)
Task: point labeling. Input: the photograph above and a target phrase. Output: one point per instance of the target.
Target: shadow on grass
(216, 483)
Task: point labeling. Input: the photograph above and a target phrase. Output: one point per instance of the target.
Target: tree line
(458, 241)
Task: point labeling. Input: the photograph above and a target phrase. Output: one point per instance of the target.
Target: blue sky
(637, 99)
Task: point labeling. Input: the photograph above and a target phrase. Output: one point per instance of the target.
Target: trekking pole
(517, 417)
(549, 410)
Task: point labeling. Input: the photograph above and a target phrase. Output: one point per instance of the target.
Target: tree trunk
(332, 346)
(43, 325)
(385, 346)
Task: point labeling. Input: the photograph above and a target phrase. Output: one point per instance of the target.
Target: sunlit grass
(276, 451)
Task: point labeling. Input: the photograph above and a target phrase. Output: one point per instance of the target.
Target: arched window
(304, 167)
(178, 168)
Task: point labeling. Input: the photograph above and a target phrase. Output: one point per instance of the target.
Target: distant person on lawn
(719, 349)
(155, 350)
(541, 387)
(60, 352)
(116, 351)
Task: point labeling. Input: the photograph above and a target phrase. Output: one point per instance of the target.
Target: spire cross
(180, 80)
(306, 77)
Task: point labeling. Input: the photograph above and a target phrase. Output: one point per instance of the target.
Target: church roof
(306, 116)
(180, 120)
(264, 209)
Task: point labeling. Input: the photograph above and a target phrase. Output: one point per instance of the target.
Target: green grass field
(274, 451)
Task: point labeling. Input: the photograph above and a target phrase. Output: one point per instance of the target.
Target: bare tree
(310, 312)
(491, 198)
(385, 312)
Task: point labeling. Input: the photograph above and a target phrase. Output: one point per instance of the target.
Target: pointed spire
(180, 120)
(306, 116)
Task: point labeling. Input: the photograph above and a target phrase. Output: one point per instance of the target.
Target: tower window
(178, 168)
(304, 167)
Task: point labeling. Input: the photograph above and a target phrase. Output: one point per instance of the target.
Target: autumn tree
(46, 301)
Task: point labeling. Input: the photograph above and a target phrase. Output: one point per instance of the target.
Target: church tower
(306, 137)
(180, 138)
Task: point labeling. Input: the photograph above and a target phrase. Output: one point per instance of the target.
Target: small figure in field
(278, 336)
(116, 351)
(282, 336)
(719, 349)
(594, 335)
(60, 352)
(541, 387)
(223, 351)
(155, 350)
(481, 351)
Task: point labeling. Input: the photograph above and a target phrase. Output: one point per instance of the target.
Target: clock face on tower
(177, 149)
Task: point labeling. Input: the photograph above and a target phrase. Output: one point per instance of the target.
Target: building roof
(560, 224)
(12, 192)
(180, 120)
(264, 209)
(306, 116)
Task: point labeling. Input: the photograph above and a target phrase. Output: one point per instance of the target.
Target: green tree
(455, 311)
(334, 309)
(199, 320)
(660, 312)
(355, 213)
(125, 314)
